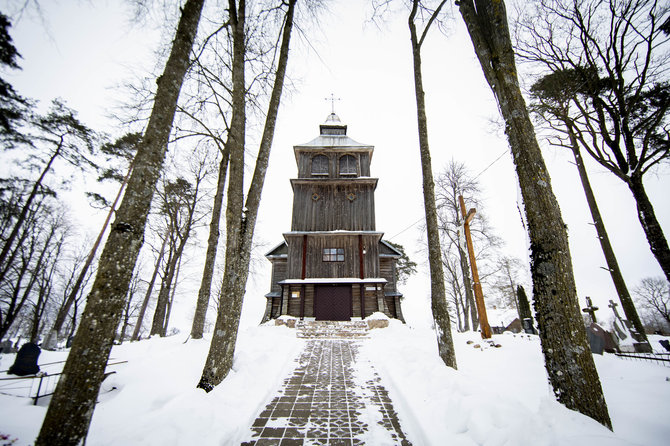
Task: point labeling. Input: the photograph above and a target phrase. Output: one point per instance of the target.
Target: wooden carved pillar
(302, 301)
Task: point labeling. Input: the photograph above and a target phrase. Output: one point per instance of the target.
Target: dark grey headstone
(665, 344)
(642, 347)
(596, 336)
(26, 360)
(528, 326)
(7, 347)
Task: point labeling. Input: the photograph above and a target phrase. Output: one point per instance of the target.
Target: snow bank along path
(501, 396)
(497, 397)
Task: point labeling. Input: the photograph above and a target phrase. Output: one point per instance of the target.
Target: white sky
(88, 48)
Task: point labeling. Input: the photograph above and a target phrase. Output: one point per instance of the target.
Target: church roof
(332, 133)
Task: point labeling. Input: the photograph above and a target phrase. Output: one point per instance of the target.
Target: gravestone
(7, 347)
(528, 326)
(596, 336)
(665, 344)
(26, 360)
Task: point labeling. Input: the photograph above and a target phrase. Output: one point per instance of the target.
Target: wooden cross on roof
(332, 100)
(590, 309)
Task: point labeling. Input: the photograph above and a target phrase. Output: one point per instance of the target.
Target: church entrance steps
(331, 329)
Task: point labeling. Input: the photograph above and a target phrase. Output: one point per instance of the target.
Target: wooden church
(333, 264)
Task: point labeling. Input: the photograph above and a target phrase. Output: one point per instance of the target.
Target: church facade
(333, 264)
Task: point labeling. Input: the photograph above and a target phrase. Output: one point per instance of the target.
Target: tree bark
(205, 290)
(52, 338)
(445, 344)
(568, 358)
(650, 225)
(241, 222)
(69, 415)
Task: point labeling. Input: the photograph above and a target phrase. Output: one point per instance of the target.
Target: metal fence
(37, 386)
(658, 358)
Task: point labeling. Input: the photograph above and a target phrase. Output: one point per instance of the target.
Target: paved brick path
(331, 399)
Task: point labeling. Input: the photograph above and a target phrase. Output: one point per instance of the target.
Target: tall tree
(179, 201)
(552, 103)
(14, 109)
(568, 359)
(123, 147)
(453, 181)
(617, 52)
(31, 257)
(405, 267)
(208, 114)
(60, 136)
(241, 214)
(69, 414)
(654, 293)
(438, 298)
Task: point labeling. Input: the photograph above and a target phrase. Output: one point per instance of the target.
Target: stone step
(331, 329)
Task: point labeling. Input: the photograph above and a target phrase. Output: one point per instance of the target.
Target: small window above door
(333, 254)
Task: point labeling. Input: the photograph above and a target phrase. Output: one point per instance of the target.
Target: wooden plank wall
(333, 210)
(316, 267)
(279, 269)
(386, 271)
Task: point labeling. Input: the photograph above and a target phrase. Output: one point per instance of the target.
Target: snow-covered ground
(499, 396)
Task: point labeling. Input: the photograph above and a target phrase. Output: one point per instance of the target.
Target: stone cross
(590, 309)
(613, 306)
(332, 100)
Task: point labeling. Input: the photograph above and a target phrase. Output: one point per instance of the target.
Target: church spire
(333, 126)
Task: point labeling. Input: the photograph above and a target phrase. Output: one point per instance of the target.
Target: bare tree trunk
(603, 237)
(164, 294)
(210, 257)
(241, 222)
(171, 300)
(438, 298)
(568, 359)
(467, 285)
(650, 224)
(69, 414)
(24, 210)
(147, 296)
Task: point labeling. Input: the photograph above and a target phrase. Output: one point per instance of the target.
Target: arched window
(320, 165)
(348, 165)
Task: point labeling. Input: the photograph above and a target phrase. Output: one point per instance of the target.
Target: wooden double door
(332, 302)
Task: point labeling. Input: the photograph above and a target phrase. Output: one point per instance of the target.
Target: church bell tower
(333, 264)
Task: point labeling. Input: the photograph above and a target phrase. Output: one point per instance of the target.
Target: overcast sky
(82, 50)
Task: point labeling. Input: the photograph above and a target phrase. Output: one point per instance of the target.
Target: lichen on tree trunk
(568, 359)
(650, 224)
(200, 315)
(71, 408)
(241, 216)
(438, 299)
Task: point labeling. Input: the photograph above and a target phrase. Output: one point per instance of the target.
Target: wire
(476, 176)
(487, 167)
